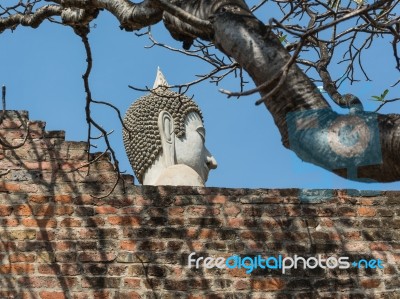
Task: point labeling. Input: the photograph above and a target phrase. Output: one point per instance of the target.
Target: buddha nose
(211, 162)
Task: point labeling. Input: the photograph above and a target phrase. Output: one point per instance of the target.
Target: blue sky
(42, 69)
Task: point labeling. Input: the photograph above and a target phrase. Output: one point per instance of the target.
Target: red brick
(46, 235)
(10, 222)
(128, 295)
(242, 285)
(32, 222)
(103, 166)
(352, 235)
(327, 222)
(101, 295)
(152, 246)
(357, 246)
(176, 271)
(231, 210)
(94, 221)
(97, 256)
(180, 221)
(124, 220)
(5, 210)
(255, 246)
(62, 198)
(85, 199)
(64, 210)
(49, 269)
(236, 222)
(39, 198)
(370, 283)
(238, 273)
(63, 245)
(8, 295)
(74, 165)
(71, 222)
(100, 282)
(132, 210)
(66, 257)
(82, 295)
(271, 223)
(201, 233)
(40, 165)
(379, 246)
(203, 211)
(21, 257)
(141, 201)
(155, 212)
(132, 283)
(70, 269)
(10, 187)
(254, 211)
(105, 210)
(29, 295)
(175, 212)
(127, 245)
(11, 124)
(335, 236)
(396, 257)
(366, 211)
(196, 245)
(268, 284)
(36, 126)
(217, 199)
(254, 235)
(16, 268)
(346, 211)
(367, 201)
(292, 210)
(52, 295)
(23, 210)
(43, 210)
(8, 246)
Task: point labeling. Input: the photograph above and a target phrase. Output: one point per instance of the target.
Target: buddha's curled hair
(141, 137)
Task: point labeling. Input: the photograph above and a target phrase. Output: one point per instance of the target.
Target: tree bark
(359, 146)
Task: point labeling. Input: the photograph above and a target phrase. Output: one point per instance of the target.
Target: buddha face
(190, 149)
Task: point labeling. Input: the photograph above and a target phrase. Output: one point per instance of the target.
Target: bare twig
(83, 32)
(384, 102)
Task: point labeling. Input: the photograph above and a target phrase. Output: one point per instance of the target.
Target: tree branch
(32, 20)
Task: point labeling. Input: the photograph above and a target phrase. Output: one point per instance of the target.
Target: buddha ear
(166, 128)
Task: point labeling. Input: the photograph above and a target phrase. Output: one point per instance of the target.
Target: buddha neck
(153, 172)
(173, 175)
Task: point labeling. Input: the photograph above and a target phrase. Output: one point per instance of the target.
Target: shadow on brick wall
(59, 240)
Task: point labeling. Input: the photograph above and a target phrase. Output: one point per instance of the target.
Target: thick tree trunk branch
(32, 20)
(80, 12)
(131, 16)
(307, 124)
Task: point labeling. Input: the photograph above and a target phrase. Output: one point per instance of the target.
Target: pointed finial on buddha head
(160, 80)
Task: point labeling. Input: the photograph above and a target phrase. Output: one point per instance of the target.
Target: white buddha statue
(165, 139)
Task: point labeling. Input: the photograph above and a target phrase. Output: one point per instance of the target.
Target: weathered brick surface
(60, 240)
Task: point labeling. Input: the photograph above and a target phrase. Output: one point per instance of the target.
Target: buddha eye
(202, 133)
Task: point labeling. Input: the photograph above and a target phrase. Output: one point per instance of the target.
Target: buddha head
(164, 138)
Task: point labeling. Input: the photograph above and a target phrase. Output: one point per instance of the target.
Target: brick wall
(59, 240)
